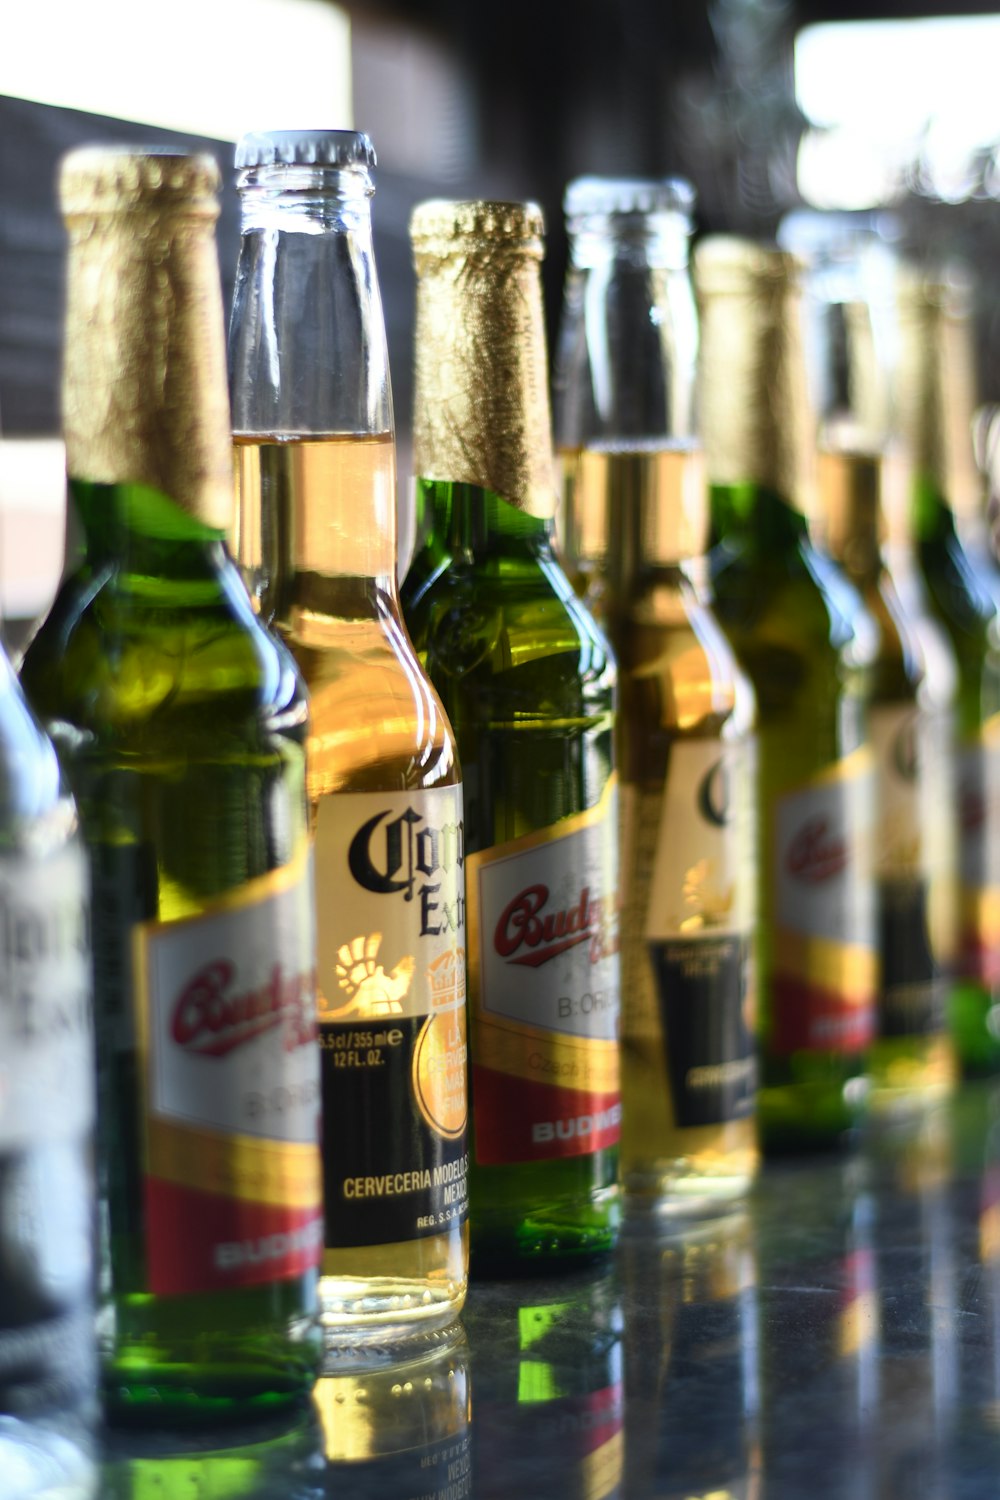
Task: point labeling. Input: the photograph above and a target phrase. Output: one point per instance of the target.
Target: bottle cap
(112, 179)
(305, 148)
(437, 224)
(628, 195)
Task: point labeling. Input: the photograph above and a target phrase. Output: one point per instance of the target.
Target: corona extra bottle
(315, 466)
(635, 520)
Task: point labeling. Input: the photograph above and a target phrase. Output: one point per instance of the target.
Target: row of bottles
(328, 818)
(779, 460)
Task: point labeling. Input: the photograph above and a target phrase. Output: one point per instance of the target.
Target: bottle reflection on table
(402, 1431)
(691, 1379)
(258, 1464)
(914, 1241)
(548, 1383)
(819, 1335)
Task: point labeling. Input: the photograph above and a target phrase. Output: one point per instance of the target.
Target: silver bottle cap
(305, 148)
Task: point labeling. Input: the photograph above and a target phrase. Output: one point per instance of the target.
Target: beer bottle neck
(311, 396)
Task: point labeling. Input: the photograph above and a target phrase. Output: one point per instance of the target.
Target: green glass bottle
(862, 523)
(801, 633)
(936, 402)
(181, 724)
(527, 682)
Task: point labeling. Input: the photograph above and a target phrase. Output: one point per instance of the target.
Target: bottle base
(658, 1195)
(371, 1320)
(548, 1237)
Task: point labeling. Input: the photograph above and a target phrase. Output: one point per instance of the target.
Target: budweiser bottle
(803, 636)
(46, 1123)
(635, 518)
(936, 398)
(862, 522)
(527, 681)
(315, 464)
(181, 727)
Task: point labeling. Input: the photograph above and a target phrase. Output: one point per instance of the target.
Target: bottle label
(390, 884)
(979, 855)
(824, 960)
(914, 866)
(228, 1026)
(544, 979)
(46, 1024)
(688, 974)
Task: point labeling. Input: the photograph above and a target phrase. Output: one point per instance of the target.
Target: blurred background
(764, 105)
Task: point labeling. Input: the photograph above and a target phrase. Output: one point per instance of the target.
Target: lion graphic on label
(712, 904)
(369, 989)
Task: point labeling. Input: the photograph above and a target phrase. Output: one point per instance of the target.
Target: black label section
(911, 1000)
(702, 988)
(388, 1175)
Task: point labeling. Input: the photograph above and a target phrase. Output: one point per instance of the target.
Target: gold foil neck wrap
(145, 398)
(756, 420)
(481, 399)
(937, 387)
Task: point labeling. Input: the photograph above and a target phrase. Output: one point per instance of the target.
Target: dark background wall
(510, 101)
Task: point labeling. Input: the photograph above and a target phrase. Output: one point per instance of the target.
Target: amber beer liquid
(314, 456)
(181, 727)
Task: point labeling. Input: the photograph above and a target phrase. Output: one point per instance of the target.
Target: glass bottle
(47, 1363)
(802, 635)
(635, 511)
(180, 725)
(528, 682)
(862, 523)
(936, 400)
(402, 1429)
(315, 465)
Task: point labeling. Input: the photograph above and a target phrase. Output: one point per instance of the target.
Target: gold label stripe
(846, 968)
(601, 1470)
(590, 817)
(981, 911)
(590, 1065)
(283, 1173)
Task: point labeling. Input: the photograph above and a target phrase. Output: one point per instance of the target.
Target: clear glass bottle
(315, 471)
(402, 1429)
(528, 683)
(936, 394)
(47, 1219)
(862, 522)
(807, 643)
(635, 517)
(180, 725)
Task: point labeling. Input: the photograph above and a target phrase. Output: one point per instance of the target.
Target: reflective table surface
(838, 1338)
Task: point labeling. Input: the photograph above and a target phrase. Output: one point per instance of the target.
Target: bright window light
(884, 93)
(212, 68)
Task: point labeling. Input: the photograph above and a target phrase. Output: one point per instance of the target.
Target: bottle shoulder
(677, 670)
(503, 617)
(795, 603)
(139, 665)
(37, 815)
(376, 721)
